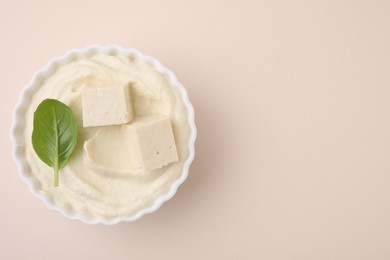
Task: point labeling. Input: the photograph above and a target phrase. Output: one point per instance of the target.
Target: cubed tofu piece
(145, 144)
(151, 142)
(107, 105)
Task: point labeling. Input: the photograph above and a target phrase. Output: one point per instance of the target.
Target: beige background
(293, 113)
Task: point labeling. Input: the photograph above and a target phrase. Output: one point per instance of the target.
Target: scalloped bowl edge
(18, 125)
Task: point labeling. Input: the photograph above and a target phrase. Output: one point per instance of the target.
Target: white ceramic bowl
(19, 125)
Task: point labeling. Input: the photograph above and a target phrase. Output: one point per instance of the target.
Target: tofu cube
(151, 142)
(107, 105)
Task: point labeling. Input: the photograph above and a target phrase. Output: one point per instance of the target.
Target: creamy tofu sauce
(95, 193)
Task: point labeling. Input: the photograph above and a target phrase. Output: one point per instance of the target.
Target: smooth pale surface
(153, 141)
(293, 115)
(107, 105)
(137, 148)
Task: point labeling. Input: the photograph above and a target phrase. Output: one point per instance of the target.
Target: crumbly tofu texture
(107, 105)
(145, 144)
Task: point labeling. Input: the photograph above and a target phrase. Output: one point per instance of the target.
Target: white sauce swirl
(100, 195)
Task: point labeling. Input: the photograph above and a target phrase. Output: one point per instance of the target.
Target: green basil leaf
(54, 134)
